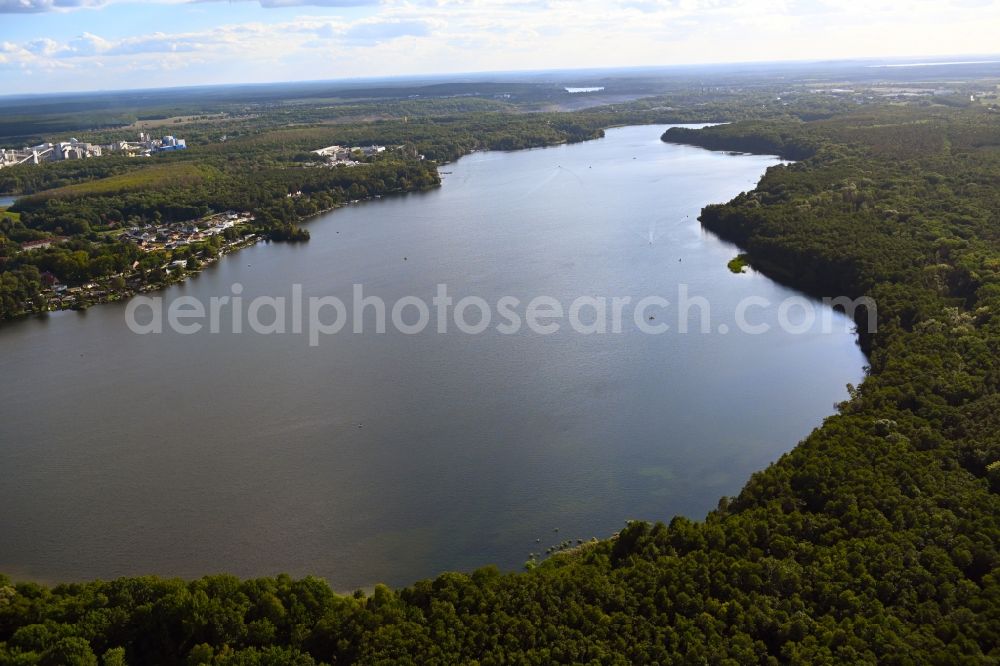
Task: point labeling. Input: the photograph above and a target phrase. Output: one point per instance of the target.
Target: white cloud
(245, 41)
(39, 6)
(376, 31)
(423, 36)
(87, 45)
(272, 4)
(44, 46)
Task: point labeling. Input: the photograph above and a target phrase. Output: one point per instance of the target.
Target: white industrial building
(78, 150)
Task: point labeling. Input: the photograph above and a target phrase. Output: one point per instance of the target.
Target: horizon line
(939, 60)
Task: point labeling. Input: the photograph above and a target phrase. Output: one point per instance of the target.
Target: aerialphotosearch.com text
(316, 317)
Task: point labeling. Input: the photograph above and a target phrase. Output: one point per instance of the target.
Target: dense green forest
(206, 113)
(873, 541)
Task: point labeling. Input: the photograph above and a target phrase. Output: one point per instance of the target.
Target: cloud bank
(39, 6)
(316, 39)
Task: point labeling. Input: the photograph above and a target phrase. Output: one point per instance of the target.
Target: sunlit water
(392, 457)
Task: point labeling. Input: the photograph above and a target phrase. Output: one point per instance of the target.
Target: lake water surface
(187, 455)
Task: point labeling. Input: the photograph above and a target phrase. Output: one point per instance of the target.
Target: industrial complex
(78, 150)
(348, 156)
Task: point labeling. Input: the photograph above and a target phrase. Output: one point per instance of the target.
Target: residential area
(183, 248)
(172, 236)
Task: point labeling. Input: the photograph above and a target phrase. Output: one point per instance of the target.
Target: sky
(84, 45)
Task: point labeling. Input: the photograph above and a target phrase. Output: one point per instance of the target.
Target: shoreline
(104, 296)
(123, 294)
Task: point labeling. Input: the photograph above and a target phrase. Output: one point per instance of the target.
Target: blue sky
(58, 45)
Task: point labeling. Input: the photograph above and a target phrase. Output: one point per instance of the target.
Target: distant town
(79, 150)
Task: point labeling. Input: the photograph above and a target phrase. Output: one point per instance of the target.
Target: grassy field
(153, 177)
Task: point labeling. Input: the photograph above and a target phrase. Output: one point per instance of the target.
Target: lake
(391, 457)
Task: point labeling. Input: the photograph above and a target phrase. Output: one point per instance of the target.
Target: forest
(874, 541)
